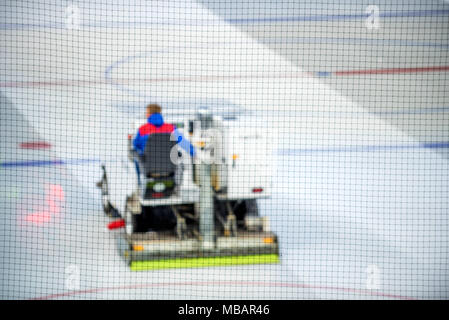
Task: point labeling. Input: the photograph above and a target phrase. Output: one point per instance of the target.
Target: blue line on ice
(361, 148)
(367, 148)
(43, 163)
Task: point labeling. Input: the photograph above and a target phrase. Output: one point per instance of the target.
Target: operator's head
(153, 108)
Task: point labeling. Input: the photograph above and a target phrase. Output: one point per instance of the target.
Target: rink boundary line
(239, 21)
(303, 74)
(362, 292)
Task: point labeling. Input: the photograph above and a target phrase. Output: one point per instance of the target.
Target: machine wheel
(251, 208)
(246, 208)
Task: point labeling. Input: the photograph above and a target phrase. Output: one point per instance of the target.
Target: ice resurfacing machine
(201, 211)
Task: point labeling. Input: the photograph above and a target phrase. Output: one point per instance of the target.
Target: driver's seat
(158, 169)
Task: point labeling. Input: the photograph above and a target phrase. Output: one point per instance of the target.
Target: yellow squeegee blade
(202, 262)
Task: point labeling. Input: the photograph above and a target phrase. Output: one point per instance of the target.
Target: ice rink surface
(357, 112)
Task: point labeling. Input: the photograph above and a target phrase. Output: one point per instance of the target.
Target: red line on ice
(78, 83)
(218, 283)
(34, 145)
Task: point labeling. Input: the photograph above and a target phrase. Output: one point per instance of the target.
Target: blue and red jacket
(156, 125)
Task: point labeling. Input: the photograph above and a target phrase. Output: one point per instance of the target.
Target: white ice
(360, 207)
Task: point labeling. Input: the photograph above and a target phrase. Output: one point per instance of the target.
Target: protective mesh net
(333, 115)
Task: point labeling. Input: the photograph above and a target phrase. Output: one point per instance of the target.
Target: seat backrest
(156, 159)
